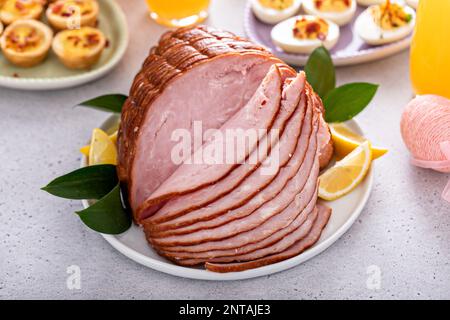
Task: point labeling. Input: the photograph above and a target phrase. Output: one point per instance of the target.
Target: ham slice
(204, 221)
(297, 194)
(324, 214)
(258, 116)
(205, 196)
(252, 251)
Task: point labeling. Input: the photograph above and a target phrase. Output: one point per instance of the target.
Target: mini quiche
(79, 48)
(72, 14)
(13, 10)
(26, 43)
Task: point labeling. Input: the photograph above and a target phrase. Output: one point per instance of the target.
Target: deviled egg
(385, 23)
(367, 3)
(340, 12)
(274, 11)
(304, 33)
(413, 3)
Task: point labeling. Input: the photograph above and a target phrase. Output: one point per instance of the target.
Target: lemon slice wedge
(102, 149)
(345, 141)
(85, 150)
(346, 174)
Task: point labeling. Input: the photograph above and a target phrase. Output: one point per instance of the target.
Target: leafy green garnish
(109, 103)
(342, 103)
(93, 182)
(345, 102)
(409, 17)
(107, 215)
(320, 71)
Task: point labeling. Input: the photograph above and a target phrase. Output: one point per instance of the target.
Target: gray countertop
(403, 234)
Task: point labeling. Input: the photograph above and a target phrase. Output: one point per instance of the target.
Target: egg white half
(283, 36)
(340, 18)
(272, 16)
(373, 34)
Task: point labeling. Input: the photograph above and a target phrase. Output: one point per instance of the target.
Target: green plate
(52, 74)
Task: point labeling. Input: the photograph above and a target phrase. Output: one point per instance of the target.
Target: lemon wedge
(345, 141)
(346, 174)
(85, 150)
(102, 149)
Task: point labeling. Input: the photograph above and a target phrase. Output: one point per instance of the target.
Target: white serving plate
(52, 74)
(346, 210)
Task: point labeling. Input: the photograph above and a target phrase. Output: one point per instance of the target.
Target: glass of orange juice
(178, 13)
(430, 49)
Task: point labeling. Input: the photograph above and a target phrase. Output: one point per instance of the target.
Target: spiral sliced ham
(295, 196)
(180, 205)
(313, 236)
(204, 221)
(276, 243)
(226, 216)
(169, 93)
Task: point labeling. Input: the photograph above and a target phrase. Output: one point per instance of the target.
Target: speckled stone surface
(404, 231)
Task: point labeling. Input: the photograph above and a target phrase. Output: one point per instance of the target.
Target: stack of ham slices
(226, 216)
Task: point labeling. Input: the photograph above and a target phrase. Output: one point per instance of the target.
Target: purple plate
(349, 50)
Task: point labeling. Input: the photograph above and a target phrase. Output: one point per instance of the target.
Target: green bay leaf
(320, 71)
(92, 182)
(107, 215)
(345, 102)
(109, 103)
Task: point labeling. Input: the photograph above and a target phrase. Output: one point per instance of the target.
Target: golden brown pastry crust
(8, 17)
(60, 22)
(28, 58)
(76, 60)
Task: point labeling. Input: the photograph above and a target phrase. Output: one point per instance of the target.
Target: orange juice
(178, 13)
(430, 49)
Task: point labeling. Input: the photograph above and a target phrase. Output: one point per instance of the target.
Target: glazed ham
(291, 99)
(169, 93)
(258, 116)
(226, 216)
(190, 223)
(313, 236)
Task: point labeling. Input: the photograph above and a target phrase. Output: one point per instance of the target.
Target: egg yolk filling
(79, 42)
(390, 16)
(307, 29)
(332, 5)
(69, 8)
(21, 7)
(277, 4)
(24, 39)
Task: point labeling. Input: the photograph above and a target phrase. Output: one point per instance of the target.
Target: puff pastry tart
(26, 43)
(13, 10)
(79, 48)
(72, 14)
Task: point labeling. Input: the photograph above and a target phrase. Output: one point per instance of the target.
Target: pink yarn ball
(425, 125)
